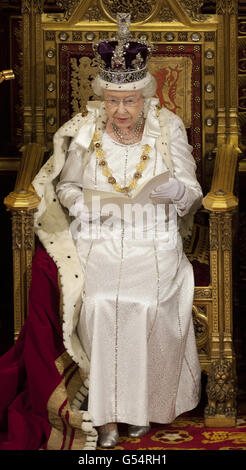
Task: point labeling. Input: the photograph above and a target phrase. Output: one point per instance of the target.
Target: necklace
(130, 136)
(101, 156)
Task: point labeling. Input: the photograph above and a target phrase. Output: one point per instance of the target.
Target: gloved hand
(80, 210)
(172, 189)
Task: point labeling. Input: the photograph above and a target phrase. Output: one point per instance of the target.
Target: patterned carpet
(186, 433)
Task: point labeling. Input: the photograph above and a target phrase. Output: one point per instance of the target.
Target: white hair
(150, 89)
(147, 90)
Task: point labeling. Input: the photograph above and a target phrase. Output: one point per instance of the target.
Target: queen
(133, 324)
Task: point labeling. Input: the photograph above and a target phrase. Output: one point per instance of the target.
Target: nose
(121, 107)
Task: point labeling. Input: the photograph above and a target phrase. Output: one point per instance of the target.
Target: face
(123, 115)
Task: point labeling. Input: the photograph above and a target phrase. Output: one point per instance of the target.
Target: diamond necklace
(127, 137)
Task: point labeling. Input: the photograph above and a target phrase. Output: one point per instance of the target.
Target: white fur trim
(79, 398)
(58, 242)
(131, 86)
(90, 438)
(86, 383)
(86, 415)
(86, 427)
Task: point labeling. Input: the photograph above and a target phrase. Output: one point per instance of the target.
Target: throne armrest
(24, 197)
(22, 203)
(220, 197)
(222, 205)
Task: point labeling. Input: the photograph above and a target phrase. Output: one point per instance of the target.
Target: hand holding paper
(172, 189)
(108, 201)
(141, 195)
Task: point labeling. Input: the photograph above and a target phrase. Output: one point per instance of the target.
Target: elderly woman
(135, 324)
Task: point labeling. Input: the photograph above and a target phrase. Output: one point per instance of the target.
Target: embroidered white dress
(135, 323)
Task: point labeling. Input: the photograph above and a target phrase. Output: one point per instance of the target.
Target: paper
(141, 195)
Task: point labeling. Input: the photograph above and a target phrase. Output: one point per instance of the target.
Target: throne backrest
(177, 69)
(184, 63)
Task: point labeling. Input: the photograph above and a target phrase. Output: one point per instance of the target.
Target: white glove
(80, 210)
(172, 189)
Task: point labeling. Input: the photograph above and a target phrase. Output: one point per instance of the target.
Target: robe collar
(96, 109)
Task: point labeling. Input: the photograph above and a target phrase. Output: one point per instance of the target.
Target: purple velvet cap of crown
(106, 51)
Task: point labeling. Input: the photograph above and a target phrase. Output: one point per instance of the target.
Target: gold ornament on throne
(139, 10)
(83, 72)
(6, 75)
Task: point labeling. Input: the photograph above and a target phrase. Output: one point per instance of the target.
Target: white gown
(136, 323)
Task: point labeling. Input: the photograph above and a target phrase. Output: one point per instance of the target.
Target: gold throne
(195, 64)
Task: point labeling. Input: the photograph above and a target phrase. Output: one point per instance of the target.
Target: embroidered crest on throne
(173, 76)
(83, 71)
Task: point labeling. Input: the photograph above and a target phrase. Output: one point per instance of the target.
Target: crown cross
(122, 60)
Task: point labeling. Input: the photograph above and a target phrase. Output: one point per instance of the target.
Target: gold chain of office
(107, 172)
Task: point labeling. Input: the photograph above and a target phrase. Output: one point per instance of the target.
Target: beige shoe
(108, 435)
(137, 431)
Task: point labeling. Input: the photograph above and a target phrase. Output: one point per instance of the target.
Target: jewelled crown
(123, 59)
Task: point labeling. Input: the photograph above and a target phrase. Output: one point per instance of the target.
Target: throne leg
(221, 392)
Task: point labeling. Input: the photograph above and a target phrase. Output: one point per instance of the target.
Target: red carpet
(186, 433)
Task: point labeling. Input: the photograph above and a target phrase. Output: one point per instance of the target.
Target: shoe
(108, 437)
(137, 431)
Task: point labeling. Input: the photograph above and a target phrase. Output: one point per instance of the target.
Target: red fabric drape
(28, 374)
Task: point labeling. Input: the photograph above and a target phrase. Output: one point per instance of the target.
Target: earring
(146, 107)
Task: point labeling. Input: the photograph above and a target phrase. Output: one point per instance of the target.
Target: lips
(122, 119)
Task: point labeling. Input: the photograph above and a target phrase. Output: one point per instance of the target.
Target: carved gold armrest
(6, 75)
(221, 202)
(24, 196)
(221, 197)
(22, 202)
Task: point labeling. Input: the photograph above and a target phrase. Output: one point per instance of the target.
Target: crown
(123, 59)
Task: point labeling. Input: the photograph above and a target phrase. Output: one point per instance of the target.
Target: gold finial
(6, 75)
